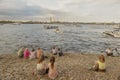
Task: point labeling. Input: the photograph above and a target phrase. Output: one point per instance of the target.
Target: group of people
(57, 51)
(26, 53)
(109, 51)
(100, 64)
(50, 68)
(42, 67)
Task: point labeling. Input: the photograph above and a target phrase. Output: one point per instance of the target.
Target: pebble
(72, 68)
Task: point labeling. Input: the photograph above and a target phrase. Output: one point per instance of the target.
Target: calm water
(87, 38)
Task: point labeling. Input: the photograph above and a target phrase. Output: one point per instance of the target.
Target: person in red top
(26, 53)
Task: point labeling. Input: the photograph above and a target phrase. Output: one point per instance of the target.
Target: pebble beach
(71, 66)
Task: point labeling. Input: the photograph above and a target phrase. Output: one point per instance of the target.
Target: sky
(61, 10)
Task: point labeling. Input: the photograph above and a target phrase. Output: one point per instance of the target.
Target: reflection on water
(86, 38)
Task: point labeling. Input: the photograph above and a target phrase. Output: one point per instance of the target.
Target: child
(52, 69)
(32, 54)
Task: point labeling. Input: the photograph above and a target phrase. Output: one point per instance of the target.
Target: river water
(88, 38)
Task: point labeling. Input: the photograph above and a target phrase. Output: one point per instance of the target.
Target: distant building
(52, 20)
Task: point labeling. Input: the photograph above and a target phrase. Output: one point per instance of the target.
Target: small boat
(117, 27)
(17, 23)
(50, 27)
(57, 30)
(115, 34)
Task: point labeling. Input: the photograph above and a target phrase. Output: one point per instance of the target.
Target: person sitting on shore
(54, 50)
(21, 52)
(52, 69)
(109, 52)
(117, 51)
(26, 53)
(59, 52)
(32, 54)
(100, 64)
(41, 66)
(39, 53)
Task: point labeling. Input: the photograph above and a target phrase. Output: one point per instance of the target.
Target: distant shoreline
(57, 22)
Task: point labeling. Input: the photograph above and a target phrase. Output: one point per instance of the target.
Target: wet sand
(71, 66)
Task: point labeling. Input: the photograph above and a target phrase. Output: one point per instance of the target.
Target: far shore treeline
(56, 22)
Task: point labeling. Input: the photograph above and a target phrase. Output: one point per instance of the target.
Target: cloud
(69, 10)
(29, 12)
(22, 9)
(95, 10)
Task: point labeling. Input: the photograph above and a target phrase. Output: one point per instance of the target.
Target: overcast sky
(64, 10)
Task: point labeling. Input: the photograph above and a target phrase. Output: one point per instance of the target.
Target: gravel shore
(71, 66)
